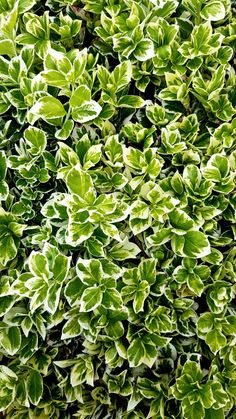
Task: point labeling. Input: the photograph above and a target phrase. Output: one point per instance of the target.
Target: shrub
(117, 219)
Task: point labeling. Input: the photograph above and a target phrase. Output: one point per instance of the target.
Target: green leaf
(8, 381)
(36, 140)
(124, 250)
(223, 108)
(91, 299)
(147, 269)
(180, 220)
(121, 75)
(86, 112)
(80, 95)
(144, 50)
(112, 300)
(53, 298)
(61, 268)
(205, 322)
(54, 78)
(135, 159)
(80, 62)
(136, 353)
(10, 339)
(25, 5)
(8, 248)
(80, 183)
(38, 265)
(34, 386)
(194, 244)
(192, 369)
(221, 397)
(89, 271)
(92, 156)
(48, 108)
(73, 290)
(214, 10)
(81, 372)
(78, 233)
(141, 352)
(215, 340)
(192, 411)
(160, 237)
(206, 396)
(65, 131)
(7, 47)
(71, 329)
(3, 165)
(214, 414)
(195, 284)
(130, 101)
(140, 296)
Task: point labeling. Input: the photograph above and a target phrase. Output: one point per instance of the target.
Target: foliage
(118, 209)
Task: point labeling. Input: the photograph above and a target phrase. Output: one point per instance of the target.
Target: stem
(140, 245)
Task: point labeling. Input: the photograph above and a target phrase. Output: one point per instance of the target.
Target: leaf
(71, 329)
(216, 340)
(122, 74)
(111, 231)
(92, 156)
(220, 396)
(86, 112)
(34, 386)
(8, 380)
(144, 50)
(192, 411)
(80, 95)
(130, 101)
(7, 47)
(194, 244)
(80, 183)
(25, 5)
(136, 353)
(214, 414)
(73, 290)
(38, 265)
(54, 78)
(213, 11)
(78, 233)
(53, 298)
(79, 63)
(160, 237)
(91, 299)
(195, 284)
(10, 339)
(65, 131)
(112, 300)
(205, 322)
(81, 372)
(8, 248)
(139, 352)
(223, 108)
(89, 271)
(124, 250)
(180, 220)
(135, 159)
(36, 139)
(147, 269)
(141, 294)
(47, 108)
(3, 165)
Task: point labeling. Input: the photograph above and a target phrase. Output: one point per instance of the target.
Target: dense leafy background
(117, 219)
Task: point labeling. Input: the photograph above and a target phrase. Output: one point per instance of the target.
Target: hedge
(118, 209)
